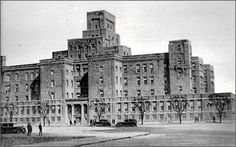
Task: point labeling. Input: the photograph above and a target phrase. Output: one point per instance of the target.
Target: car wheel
(18, 131)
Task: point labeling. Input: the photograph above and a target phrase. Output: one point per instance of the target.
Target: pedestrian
(74, 122)
(40, 130)
(29, 128)
(214, 119)
(70, 122)
(48, 122)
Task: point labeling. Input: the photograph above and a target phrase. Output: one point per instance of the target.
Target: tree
(179, 104)
(99, 106)
(219, 102)
(11, 109)
(142, 105)
(43, 109)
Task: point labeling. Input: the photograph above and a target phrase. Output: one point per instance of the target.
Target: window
(72, 72)
(120, 69)
(137, 68)
(152, 80)
(145, 80)
(179, 61)
(116, 80)
(120, 92)
(7, 88)
(16, 76)
(67, 83)
(72, 95)
(191, 105)
(78, 84)
(154, 107)
(117, 93)
(125, 93)
(27, 110)
(72, 83)
(16, 98)
(67, 95)
(116, 68)
(194, 78)
(119, 117)
(119, 107)
(32, 76)
(7, 99)
(144, 67)
(194, 65)
(180, 88)
(101, 93)
(53, 95)
(67, 72)
(199, 104)
(125, 81)
(138, 81)
(151, 67)
(101, 68)
(138, 92)
(154, 116)
(26, 76)
(52, 72)
(27, 98)
(17, 87)
(161, 106)
(179, 73)
(169, 106)
(152, 92)
(125, 68)
(132, 107)
(26, 87)
(120, 81)
(194, 89)
(52, 83)
(126, 107)
(101, 80)
(7, 78)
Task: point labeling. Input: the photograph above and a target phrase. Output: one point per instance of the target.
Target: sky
(31, 31)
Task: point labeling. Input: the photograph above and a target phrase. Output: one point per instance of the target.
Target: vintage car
(127, 123)
(103, 122)
(11, 128)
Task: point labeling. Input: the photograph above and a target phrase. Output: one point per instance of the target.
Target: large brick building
(97, 65)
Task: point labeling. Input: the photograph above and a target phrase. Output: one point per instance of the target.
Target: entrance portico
(77, 112)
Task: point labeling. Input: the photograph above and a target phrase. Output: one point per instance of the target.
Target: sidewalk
(93, 136)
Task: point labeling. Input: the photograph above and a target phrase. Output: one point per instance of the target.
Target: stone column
(66, 114)
(72, 112)
(82, 113)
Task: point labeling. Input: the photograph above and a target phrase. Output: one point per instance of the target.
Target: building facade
(96, 66)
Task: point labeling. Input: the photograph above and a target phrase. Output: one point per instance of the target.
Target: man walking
(29, 128)
(40, 130)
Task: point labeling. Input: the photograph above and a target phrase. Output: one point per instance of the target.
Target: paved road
(178, 135)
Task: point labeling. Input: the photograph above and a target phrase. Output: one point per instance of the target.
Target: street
(210, 134)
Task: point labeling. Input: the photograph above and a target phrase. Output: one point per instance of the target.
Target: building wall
(180, 52)
(18, 82)
(197, 75)
(209, 78)
(145, 73)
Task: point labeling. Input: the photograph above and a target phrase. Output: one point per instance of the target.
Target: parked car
(127, 123)
(11, 128)
(103, 122)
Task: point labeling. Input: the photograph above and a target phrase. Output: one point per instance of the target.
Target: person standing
(29, 128)
(40, 130)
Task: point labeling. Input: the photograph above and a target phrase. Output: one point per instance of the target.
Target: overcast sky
(31, 31)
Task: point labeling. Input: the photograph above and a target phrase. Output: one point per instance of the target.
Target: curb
(114, 139)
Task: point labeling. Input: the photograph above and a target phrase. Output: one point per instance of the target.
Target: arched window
(7, 78)
(16, 76)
